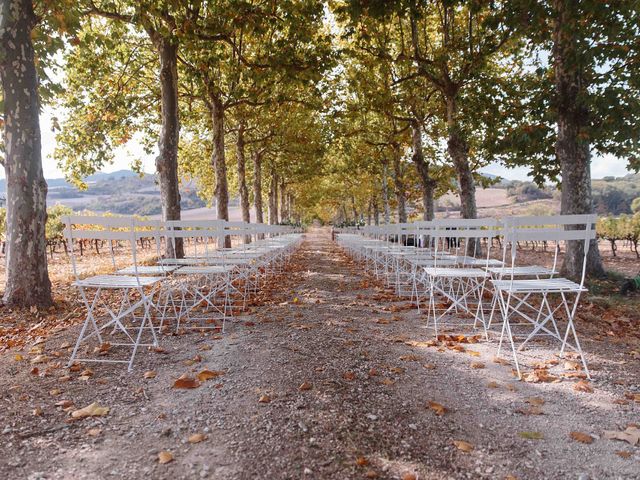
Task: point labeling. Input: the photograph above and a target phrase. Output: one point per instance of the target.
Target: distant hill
(123, 192)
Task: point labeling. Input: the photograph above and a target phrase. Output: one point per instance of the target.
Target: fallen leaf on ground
(532, 410)
(205, 375)
(409, 476)
(500, 361)
(150, 374)
(623, 454)
(537, 401)
(264, 399)
(477, 365)
(429, 366)
(186, 382)
(197, 438)
(305, 386)
(93, 410)
(362, 461)
(165, 457)
(531, 435)
(371, 474)
(94, 432)
(463, 446)
(493, 385)
(583, 386)
(37, 412)
(539, 375)
(581, 437)
(349, 376)
(39, 359)
(438, 408)
(630, 435)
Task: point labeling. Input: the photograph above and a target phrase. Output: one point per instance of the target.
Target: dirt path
(349, 375)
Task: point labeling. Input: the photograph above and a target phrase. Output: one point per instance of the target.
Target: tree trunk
(242, 180)
(385, 195)
(257, 185)
(218, 161)
(167, 159)
(284, 214)
(376, 212)
(572, 145)
(27, 278)
(401, 198)
(426, 182)
(459, 152)
(273, 199)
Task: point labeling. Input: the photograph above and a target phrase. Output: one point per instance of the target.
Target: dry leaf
(583, 386)
(409, 476)
(37, 412)
(349, 376)
(477, 365)
(429, 366)
(623, 454)
(581, 437)
(438, 408)
(305, 386)
(463, 446)
(264, 399)
(539, 375)
(93, 410)
(94, 432)
(197, 438)
(64, 404)
(18, 358)
(39, 359)
(371, 474)
(473, 353)
(537, 401)
(533, 410)
(500, 361)
(150, 374)
(387, 381)
(493, 384)
(186, 382)
(165, 457)
(362, 461)
(630, 435)
(205, 375)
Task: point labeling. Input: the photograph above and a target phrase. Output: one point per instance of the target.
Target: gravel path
(328, 377)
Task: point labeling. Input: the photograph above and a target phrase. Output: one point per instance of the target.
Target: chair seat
(456, 272)
(532, 270)
(549, 285)
(147, 270)
(204, 270)
(117, 281)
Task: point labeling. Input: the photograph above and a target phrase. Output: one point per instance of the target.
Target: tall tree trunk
(27, 278)
(167, 159)
(273, 198)
(257, 185)
(401, 198)
(572, 145)
(284, 215)
(218, 161)
(459, 152)
(242, 177)
(426, 182)
(369, 211)
(376, 211)
(385, 194)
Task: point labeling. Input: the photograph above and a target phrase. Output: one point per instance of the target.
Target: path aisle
(349, 380)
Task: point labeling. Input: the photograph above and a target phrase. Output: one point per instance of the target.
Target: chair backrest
(556, 229)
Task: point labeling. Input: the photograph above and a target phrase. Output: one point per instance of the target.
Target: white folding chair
(122, 327)
(555, 295)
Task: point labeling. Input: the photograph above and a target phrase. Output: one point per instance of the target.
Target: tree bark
(167, 159)
(572, 144)
(242, 177)
(401, 198)
(218, 160)
(426, 182)
(273, 199)
(376, 212)
(284, 214)
(257, 185)
(27, 278)
(385, 195)
(459, 152)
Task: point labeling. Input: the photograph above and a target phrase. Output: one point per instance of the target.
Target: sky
(600, 166)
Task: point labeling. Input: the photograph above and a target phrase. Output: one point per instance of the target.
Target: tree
(27, 275)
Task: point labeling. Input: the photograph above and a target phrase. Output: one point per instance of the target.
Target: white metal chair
(516, 295)
(124, 326)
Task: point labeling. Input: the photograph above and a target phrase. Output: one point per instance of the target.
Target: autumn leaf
(630, 435)
(532, 410)
(581, 437)
(477, 365)
(164, 457)
(437, 408)
(39, 359)
(197, 438)
(94, 432)
(205, 375)
(493, 384)
(583, 386)
(150, 374)
(349, 376)
(93, 410)
(264, 399)
(362, 461)
(500, 361)
(537, 401)
(463, 446)
(409, 476)
(305, 386)
(623, 454)
(186, 382)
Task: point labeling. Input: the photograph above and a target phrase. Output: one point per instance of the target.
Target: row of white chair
(198, 290)
(470, 268)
